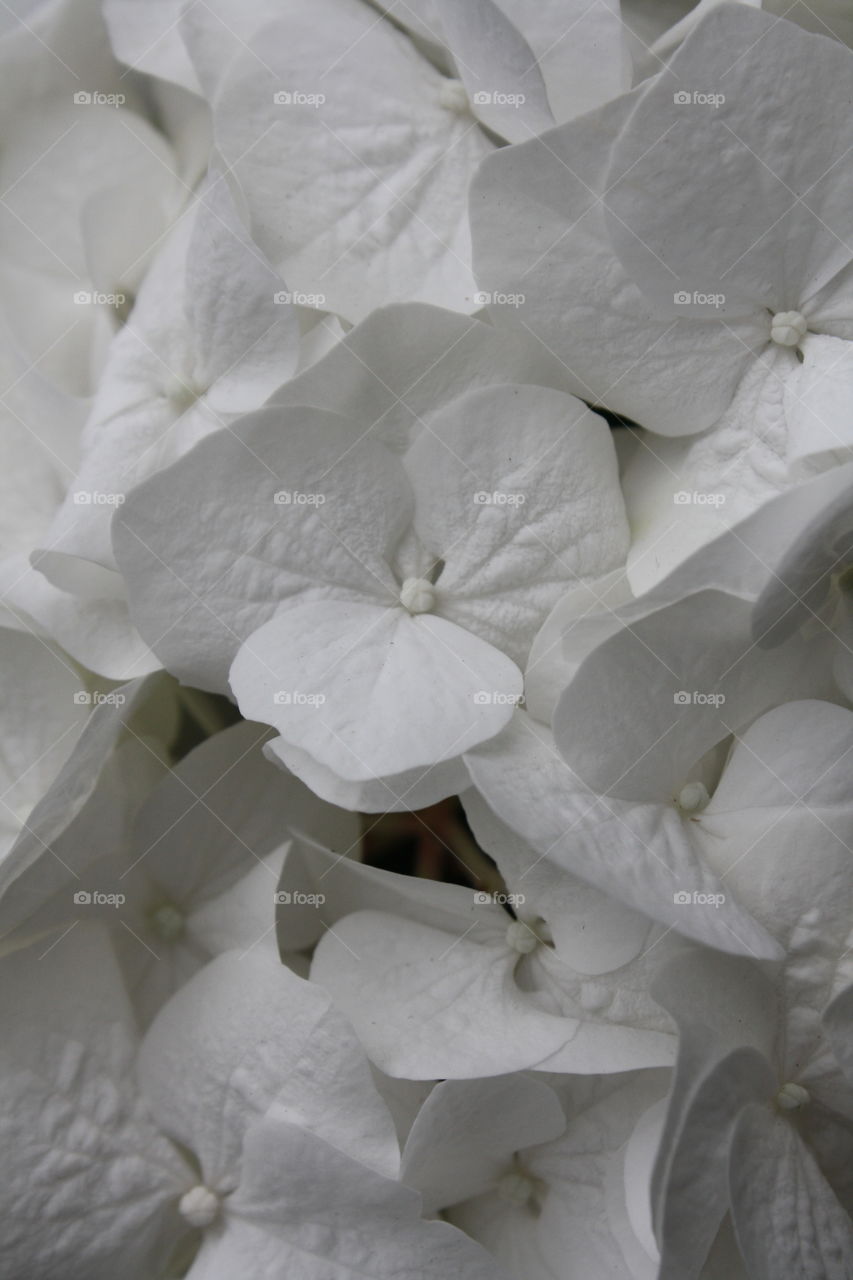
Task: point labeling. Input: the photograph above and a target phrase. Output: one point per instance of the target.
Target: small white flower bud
(521, 937)
(792, 1096)
(200, 1207)
(788, 328)
(453, 97)
(417, 595)
(693, 797)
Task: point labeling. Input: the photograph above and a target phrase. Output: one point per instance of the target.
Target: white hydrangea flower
(758, 1120)
(663, 306)
(92, 800)
(637, 848)
(552, 1177)
(197, 870)
(40, 428)
(461, 388)
(720, 641)
(209, 337)
(65, 282)
(652, 772)
(376, 609)
(353, 152)
(255, 1112)
(823, 17)
(441, 981)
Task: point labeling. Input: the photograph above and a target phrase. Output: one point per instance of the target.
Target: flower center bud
(844, 580)
(453, 97)
(693, 797)
(521, 937)
(792, 1096)
(167, 921)
(417, 595)
(200, 1207)
(182, 393)
(517, 1188)
(788, 328)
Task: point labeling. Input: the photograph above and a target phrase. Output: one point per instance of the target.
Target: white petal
(399, 793)
(89, 807)
(581, 1199)
(774, 252)
(247, 342)
(370, 690)
(200, 586)
(325, 885)
(430, 1003)
(147, 38)
(578, 623)
(349, 206)
(517, 490)
(406, 362)
(526, 782)
(785, 788)
(207, 847)
(726, 1016)
(682, 493)
(91, 1184)
(820, 536)
(684, 694)
(497, 67)
(580, 50)
(592, 931)
(246, 1035)
(787, 1218)
(467, 1132)
(817, 405)
(538, 227)
(304, 1206)
(94, 629)
(42, 719)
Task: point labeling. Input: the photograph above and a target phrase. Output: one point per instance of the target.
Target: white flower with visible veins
(440, 981)
(353, 152)
(723, 306)
(760, 1119)
(551, 1174)
(195, 872)
(254, 1140)
(374, 609)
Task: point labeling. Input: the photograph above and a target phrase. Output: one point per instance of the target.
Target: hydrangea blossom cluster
(426, 607)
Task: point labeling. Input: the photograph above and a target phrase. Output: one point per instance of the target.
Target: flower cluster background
(426, 623)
